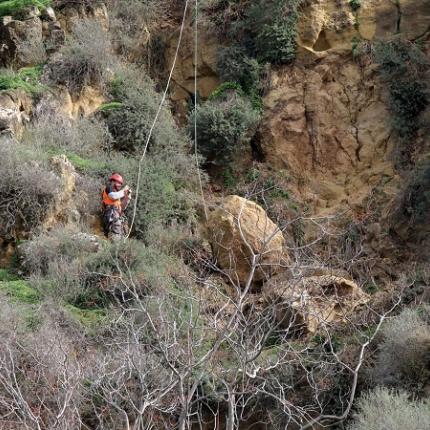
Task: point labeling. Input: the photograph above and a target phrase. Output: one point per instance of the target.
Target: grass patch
(89, 318)
(14, 7)
(19, 291)
(81, 164)
(27, 79)
(85, 164)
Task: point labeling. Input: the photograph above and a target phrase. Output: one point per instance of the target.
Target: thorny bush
(29, 188)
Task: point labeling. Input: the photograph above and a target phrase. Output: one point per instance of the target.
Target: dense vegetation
(150, 332)
(404, 68)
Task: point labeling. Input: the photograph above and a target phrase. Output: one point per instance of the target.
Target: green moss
(20, 291)
(89, 318)
(27, 79)
(14, 7)
(110, 106)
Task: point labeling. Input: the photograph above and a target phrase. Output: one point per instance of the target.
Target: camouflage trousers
(114, 225)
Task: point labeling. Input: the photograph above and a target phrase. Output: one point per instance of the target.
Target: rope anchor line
(163, 99)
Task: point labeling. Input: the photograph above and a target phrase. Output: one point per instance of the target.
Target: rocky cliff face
(326, 118)
(331, 24)
(328, 126)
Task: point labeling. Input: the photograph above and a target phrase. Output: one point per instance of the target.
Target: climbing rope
(196, 154)
(163, 99)
(160, 107)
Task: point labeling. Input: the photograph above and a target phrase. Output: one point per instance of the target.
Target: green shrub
(355, 4)
(403, 67)
(169, 177)
(223, 124)
(89, 318)
(73, 269)
(131, 123)
(85, 58)
(276, 42)
(403, 357)
(234, 65)
(225, 88)
(27, 79)
(382, 409)
(268, 30)
(110, 106)
(5, 275)
(38, 253)
(14, 7)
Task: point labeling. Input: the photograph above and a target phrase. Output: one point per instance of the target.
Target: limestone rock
(49, 14)
(68, 14)
(63, 206)
(332, 24)
(304, 306)
(15, 108)
(60, 101)
(240, 228)
(183, 75)
(21, 41)
(329, 127)
(414, 18)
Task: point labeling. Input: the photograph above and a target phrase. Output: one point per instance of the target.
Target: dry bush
(131, 25)
(85, 58)
(38, 253)
(28, 189)
(84, 137)
(403, 359)
(41, 380)
(386, 410)
(72, 267)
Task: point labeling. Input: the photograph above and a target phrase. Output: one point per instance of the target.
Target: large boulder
(239, 230)
(303, 306)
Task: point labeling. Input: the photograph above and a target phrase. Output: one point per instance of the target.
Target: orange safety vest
(107, 201)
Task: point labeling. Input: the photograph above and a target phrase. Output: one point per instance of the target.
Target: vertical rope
(139, 172)
(196, 44)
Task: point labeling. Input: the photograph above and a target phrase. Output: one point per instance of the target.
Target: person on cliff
(115, 200)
